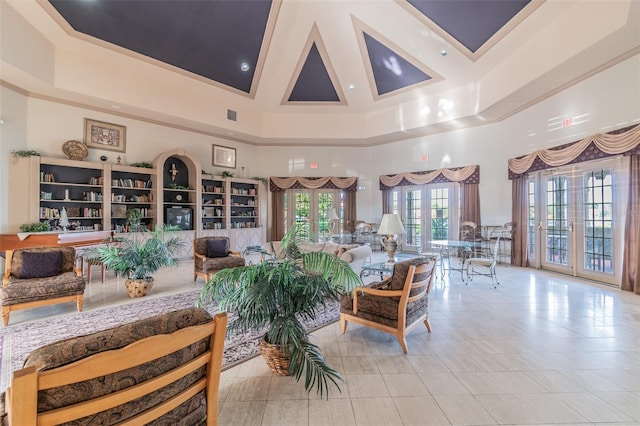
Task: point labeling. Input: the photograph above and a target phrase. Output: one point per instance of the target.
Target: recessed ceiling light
(352, 86)
(244, 66)
(443, 52)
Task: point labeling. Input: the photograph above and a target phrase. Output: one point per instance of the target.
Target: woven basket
(276, 358)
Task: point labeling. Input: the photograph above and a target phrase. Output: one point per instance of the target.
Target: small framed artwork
(224, 156)
(101, 135)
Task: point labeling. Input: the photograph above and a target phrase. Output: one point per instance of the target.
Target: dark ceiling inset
(209, 38)
(314, 83)
(471, 22)
(390, 70)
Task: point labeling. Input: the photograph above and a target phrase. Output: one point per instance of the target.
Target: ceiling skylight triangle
(314, 80)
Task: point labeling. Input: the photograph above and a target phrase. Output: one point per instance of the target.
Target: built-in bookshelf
(66, 189)
(244, 204)
(214, 205)
(132, 188)
(98, 195)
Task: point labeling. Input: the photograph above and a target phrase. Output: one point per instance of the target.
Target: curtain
(470, 205)
(595, 146)
(467, 174)
(277, 209)
(631, 256)
(386, 201)
(520, 215)
(350, 213)
(297, 182)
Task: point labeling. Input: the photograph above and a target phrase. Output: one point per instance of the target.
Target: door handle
(570, 227)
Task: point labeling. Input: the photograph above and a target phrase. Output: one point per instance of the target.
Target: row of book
(53, 213)
(131, 183)
(92, 196)
(121, 198)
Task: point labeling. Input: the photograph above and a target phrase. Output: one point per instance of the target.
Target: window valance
(468, 174)
(297, 182)
(601, 145)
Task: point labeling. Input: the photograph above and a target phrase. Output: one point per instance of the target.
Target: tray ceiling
(385, 69)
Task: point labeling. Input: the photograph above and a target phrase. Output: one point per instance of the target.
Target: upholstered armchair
(38, 276)
(396, 305)
(212, 254)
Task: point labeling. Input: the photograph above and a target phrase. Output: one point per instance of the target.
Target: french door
(582, 220)
(307, 209)
(428, 212)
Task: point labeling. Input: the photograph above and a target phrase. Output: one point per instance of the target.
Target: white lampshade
(390, 225)
(332, 215)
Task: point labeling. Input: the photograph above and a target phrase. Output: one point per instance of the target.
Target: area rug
(20, 340)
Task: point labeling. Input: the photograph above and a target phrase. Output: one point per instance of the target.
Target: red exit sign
(567, 122)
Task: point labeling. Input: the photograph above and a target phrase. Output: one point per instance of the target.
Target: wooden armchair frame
(412, 292)
(54, 299)
(22, 396)
(206, 275)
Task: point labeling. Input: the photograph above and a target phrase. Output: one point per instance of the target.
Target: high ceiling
(355, 72)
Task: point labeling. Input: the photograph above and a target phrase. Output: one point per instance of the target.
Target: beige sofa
(354, 254)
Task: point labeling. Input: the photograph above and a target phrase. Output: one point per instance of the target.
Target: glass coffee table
(384, 268)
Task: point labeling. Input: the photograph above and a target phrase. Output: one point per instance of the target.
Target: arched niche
(178, 167)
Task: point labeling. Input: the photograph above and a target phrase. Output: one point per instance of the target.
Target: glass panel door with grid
(581, 230)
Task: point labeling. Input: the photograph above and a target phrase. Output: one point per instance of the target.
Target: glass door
(556, 228)
(582, 220)
(309, 212)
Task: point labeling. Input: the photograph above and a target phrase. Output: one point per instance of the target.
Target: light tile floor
(542, 348)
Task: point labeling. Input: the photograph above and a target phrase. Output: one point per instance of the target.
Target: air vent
(232, 115)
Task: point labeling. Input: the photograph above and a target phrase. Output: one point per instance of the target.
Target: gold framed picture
(224, 156)
(101, 135)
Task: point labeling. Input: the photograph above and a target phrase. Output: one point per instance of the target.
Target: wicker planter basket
(138, 288)
(276, 358)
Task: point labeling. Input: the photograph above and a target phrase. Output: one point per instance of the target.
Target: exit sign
(567, 122)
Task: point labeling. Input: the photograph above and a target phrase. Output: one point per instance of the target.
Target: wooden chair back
(22, 396)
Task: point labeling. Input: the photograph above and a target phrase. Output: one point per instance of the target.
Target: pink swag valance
(297, 182)
(468, 174)
(596, 146)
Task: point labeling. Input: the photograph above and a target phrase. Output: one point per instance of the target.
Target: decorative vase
(138, 288)
(276, 358)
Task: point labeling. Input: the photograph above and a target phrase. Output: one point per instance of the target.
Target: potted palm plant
(278, 296)
(139, 257)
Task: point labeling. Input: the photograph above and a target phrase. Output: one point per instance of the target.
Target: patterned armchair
(38, 276)
(163, 370)
(396, 305)
(212, 254)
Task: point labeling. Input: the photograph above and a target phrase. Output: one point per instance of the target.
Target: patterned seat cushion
(218, 263)
(27, 290)
(192, 412)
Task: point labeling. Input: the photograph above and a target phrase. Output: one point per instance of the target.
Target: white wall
(603, 102)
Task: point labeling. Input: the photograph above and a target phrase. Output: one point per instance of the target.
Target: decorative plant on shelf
(134, 220)
(36, 227)
(143, 164)
(139, 257)
(227, 174)
(278, 296)
(25, 153)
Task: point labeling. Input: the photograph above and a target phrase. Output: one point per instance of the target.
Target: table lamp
(389, 227)
(332, 216)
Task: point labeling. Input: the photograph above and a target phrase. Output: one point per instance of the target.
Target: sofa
(354, 254)
(163, 370)
(38, 276)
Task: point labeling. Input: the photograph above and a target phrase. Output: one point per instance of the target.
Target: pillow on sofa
(41, 264)
(218, 248)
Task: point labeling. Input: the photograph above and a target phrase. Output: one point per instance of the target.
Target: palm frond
(306, 358)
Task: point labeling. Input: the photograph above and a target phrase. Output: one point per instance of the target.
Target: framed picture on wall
(224, 156)
(101, 135)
